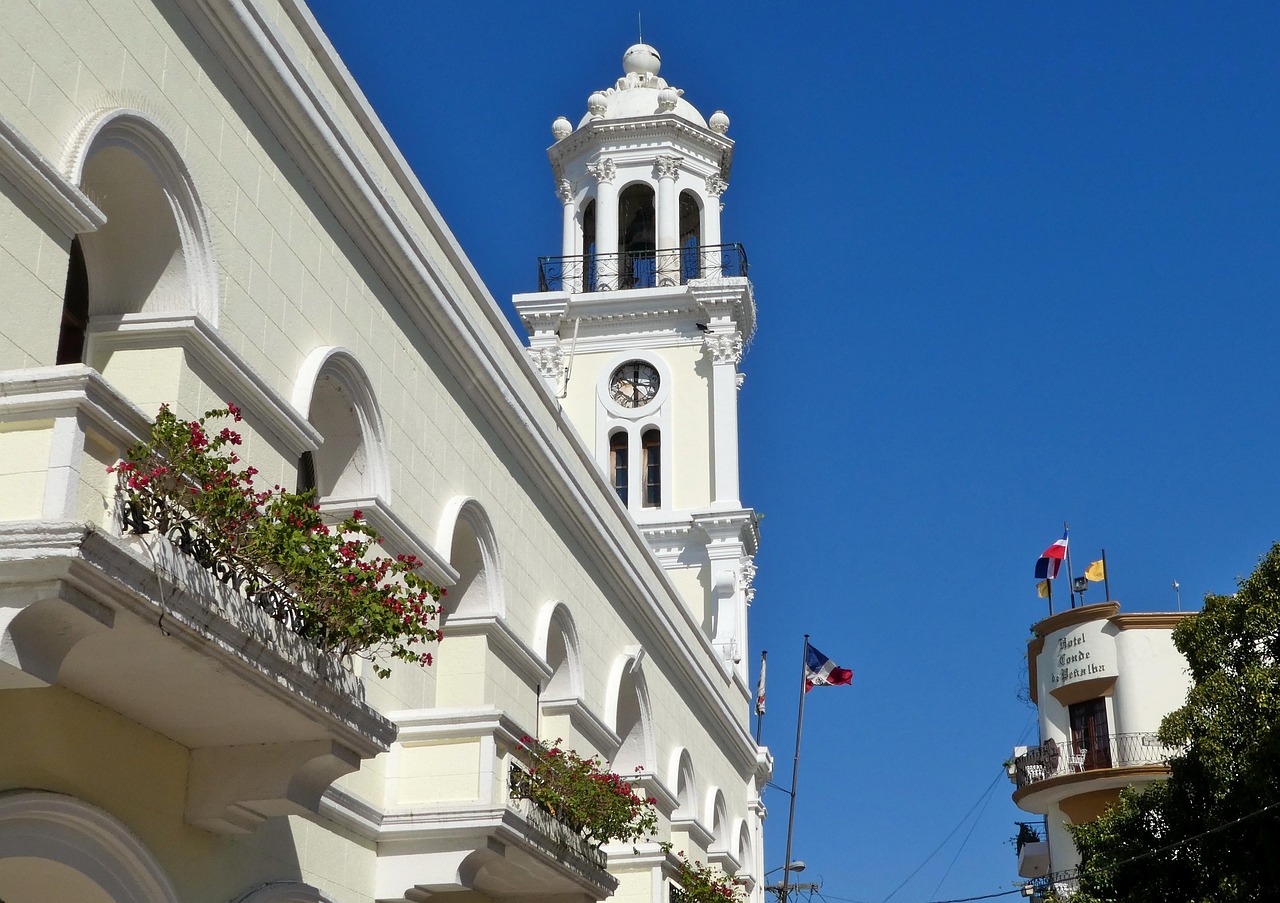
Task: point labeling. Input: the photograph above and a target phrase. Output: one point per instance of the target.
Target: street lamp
(794, 866)
(782, 890)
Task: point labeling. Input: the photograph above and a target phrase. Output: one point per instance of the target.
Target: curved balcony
(1054, 771)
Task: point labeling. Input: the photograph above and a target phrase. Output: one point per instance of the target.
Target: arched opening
(152, 256)
(464, 659)
(651, 458)
(589, 245)
(719, 822)
(690, 237)
(56, 847)
(746, 859)
(562, 657)
(686, 790)
(350, 464)
(632, 723)
(619, 470)
(638, 236)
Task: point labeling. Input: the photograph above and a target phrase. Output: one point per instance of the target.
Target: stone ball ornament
(561, 128)
(641, 59)
(719, 122)
(597, 104)
(667, 99)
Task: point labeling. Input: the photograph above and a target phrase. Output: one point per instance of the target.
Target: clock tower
(639, 326)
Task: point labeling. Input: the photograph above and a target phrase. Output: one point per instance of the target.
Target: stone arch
(334, 392)
(467, 540)
(685, 782)
(557, 638)
(285, 892)
(628, 700)
(154, 254)
(744, 852)
(718, 819)
(71, 849)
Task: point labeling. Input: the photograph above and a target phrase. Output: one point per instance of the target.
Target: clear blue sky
(1015, 263)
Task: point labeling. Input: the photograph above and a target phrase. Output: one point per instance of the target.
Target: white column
(569, 245)
(716, 186)
(667, 168)
(726, 352)
(606, 223)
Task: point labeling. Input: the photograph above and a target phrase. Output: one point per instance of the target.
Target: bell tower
(640, 323)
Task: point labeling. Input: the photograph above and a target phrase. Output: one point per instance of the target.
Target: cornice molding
(597, 134)
(66, 206)
(232, 378)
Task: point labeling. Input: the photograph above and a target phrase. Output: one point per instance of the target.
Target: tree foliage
(1206, 834)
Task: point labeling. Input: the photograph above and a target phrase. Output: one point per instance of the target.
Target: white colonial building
(197, 205)
(1102, 681)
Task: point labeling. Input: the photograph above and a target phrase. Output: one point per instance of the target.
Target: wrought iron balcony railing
(639, 269)
(565, 836)
(1051, 759)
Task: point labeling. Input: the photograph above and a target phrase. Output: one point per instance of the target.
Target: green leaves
(1206, 833)
(343, 593)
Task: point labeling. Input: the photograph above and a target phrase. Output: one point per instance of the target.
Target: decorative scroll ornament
(564, 190)
(549, 361)
(748, 577)
(603, 170)
(716, 185)
(668, 166)
(725, 348)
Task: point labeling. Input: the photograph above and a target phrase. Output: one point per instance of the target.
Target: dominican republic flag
(1051, 560)
(820, 671)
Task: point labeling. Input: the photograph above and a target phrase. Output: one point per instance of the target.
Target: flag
(1044, 590)
(1051, 560)
(760, 688)
(1097, 571)
(820, 671)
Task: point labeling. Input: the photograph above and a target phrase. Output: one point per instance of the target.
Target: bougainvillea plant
(600, 805)
(705, 884)
(341, 592)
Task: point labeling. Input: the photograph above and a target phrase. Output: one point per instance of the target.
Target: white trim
(39, 180)
(76, 834)
(468, 508)
(547, 617)
(586, 722)
(228, 374)
(503, 642)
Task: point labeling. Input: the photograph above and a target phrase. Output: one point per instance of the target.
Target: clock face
(634, 384)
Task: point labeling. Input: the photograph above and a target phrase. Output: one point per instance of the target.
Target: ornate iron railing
(639, 269)
(188, 537)
(564, 835)
(1051, 759)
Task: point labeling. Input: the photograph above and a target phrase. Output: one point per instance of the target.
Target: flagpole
(795, 774)
(1070, 578)
(759, 693)
(1049, 583)
(1106, 576)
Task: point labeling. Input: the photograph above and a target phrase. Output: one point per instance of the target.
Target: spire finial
(639, 26)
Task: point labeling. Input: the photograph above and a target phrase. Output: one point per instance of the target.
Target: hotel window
(1090, 736)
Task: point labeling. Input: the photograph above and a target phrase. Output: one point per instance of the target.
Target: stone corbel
(39, 626)
(232, 789)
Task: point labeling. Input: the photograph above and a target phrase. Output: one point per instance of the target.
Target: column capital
(724, 347)
(604, 170)
(564, 191)
(716, 185)
(667, 166)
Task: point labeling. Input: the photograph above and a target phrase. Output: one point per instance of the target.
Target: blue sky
(1016, 263)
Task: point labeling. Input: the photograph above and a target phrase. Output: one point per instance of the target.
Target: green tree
(1208, 833)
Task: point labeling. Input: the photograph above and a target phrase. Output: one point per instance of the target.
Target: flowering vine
(342, 594)
(600, 805)
(704, 884)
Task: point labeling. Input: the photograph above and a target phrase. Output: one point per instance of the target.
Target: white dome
(641, 92)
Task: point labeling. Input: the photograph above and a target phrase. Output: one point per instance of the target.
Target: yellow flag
(1097, 571)
(1042, 589)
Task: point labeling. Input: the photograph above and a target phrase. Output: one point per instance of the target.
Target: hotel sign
(1081, 652)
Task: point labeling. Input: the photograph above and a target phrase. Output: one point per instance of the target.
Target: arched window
(589, 246)
(651, 446)
(618, 464)
(690, 237)
(335, 393)
(75, 308)
(638, 236)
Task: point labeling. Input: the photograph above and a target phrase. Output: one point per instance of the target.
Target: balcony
(139, 626)
(640, 269)
(563, 840)
(1051, 760)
